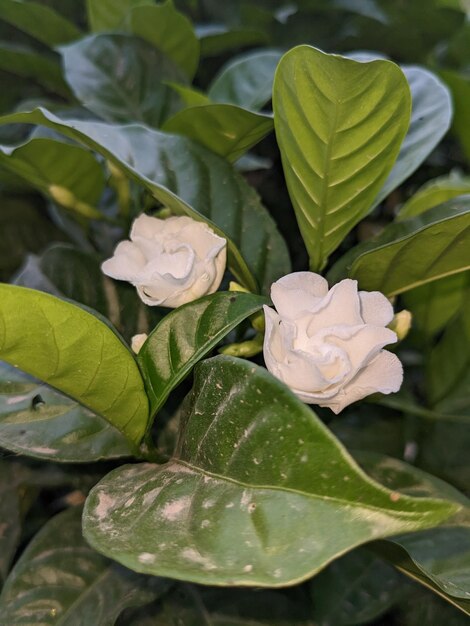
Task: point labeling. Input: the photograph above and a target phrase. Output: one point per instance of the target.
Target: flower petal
(383, 374)
(340, 307)
(376, 309)
(127, 263)
(297, 293)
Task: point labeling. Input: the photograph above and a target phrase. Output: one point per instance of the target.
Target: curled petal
(298, 293)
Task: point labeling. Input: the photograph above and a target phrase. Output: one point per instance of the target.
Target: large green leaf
(246, 80)
(37, 421)
(433, 193)
(189, 180)
(28, 63)
(60, 170)
(110, 14)
(339, 124)
(355, 589)
(186, 335)
(168, 30)
(434, 304)
(259, 492)
(225, 129)
(65, 271)
(412, 253)
(430, 120)
(120, 78)
(75, 352)
(39, 21)
(60, 580)
(439, 557)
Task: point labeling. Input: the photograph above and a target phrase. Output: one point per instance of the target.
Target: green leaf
(225, 129)
(39, 21)
(60, 580)
(412, 253)
(110, 14)
(67, 173)
(37, 421)
(448, 367)
(191, 181)
(216, 39)
(27, 63)
(190, 96)
(186, 335)
(459, 85)
(120, 78)
(433, 193)
(356, 589)
(73, 351)
(430, 120)
(168, 30)
(433, 305)
(246, 80)
(23, 229)
(67, 272)
(438, 557)
(339, 124)
(259, 492)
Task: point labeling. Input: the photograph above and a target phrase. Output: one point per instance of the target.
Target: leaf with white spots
(258, 493)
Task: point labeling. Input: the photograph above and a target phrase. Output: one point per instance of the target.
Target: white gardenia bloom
(326, 344)
(170, 262)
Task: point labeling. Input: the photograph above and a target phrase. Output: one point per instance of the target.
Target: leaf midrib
(313, 496)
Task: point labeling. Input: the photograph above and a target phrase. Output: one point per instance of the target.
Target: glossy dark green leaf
(110, 14)
(168, 30)
(120, 78)
(258, 493)
(37, 421)
(75, 352)
(27, 63)
(439, 557)
(433, 305)
(67, 173)
(189, 180)
(430, 120)
(355, 589)
(339, 125)
(186, 335)
(67, 272)
(433, 193)
(413, 252)
(225, 129)
(41, 22)
(425, 607)
(247, 80)
(60, 580)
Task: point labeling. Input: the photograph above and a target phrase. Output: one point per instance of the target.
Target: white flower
(326, 345)
(138, 341)
(171, 261)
